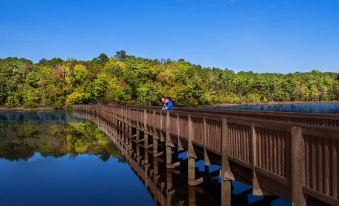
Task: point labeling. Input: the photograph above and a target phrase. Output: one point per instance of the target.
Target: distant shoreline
(45, 109)
(22, 109)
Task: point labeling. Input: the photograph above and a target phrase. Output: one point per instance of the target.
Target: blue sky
(259, 35)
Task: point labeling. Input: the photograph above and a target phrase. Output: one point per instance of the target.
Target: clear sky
(259, 35)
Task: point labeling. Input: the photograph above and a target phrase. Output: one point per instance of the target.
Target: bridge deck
(294, 156)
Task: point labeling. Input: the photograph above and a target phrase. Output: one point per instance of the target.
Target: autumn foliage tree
(126, 79)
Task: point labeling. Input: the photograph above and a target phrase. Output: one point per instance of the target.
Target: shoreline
(46, 108)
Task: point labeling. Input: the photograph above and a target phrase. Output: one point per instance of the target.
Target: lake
(57, 158)
(329, 108)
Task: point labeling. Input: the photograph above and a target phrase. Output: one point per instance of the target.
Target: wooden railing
(291, 155)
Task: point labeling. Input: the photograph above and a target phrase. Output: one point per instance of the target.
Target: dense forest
(127, 79)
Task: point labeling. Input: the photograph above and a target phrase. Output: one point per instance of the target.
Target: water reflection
(22, 141)
(64, 164)
(41, 117)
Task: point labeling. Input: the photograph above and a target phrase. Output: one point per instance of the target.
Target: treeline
(126, 79)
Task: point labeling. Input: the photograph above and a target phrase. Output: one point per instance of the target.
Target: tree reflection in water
(21, 141)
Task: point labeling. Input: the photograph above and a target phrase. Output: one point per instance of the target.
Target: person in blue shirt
(163, 102)
(169, 103)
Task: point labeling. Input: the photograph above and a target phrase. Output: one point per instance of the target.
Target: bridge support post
(226, 193)
(155, 170)
(169, 144)
(191, 155)
(146, 160)
(122, 131)
(137, 137)
(129, 140)
(126, 130)
(169, 186)
(119, 127)
(146, 136)
(130, 133)
(192, 197)
(155, 141)
(256, 188)
(226, 173)
(154, 138)
(206, 157)
(122, 125)
(155, 146)
(169, 153)
(137, 153)
(180, 146)
(161, 136)
(145, 130)
(298, 167)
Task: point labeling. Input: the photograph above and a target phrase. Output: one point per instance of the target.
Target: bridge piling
(298, 167)
(192, 156)
(226, 173)
(256, 188)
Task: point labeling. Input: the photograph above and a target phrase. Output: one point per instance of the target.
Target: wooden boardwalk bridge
(294, 156)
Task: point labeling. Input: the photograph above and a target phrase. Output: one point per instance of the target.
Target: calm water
(330, 108)
(55, 158)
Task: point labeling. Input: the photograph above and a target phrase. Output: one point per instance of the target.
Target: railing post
(145, 120)
(156, 139)
(168, 142)
(192, 156)
(145, 130)
(180, 146)
(256, 188)
(206, 157)
(297, 167)
(226, 173)
(161, 120)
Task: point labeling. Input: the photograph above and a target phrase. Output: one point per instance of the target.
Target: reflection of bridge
(290, 155)
(146, 167)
